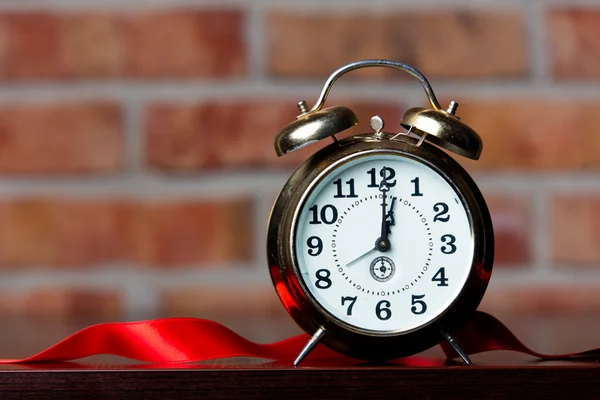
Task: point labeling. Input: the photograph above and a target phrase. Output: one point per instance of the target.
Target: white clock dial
(383, 243)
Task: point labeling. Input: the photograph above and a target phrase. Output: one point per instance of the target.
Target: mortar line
(255, 41)
(535, 12)
(539, 234)
(132, 136)
(350, 5)
(257, 90)
(228, 183)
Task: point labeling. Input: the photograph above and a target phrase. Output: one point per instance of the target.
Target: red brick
(60, 138)
(93, 45)
(575, 229)
(208, 43)
(534, 134)
(511, 217)
(457, 44)
(539, 298)
(79, 232)
(32, 46)
(101, 44)
(231, 134)
(574, 45)
(190, 232)
(62, 302)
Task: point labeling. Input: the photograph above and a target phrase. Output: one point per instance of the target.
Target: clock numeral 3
(383, 311)
(315, 246)
(442, 210)
(339, 192)
(419, 307)
(450, 247)
(328, 217)
(386, 173)
(352, 300)
(440, 276)
(323, 281)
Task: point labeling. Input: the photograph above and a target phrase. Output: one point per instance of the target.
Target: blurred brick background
(136, 161)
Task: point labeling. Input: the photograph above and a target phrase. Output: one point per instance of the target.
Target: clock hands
(361, 257)
(387, 220)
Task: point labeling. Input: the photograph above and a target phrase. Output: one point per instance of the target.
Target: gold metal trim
(445, 130)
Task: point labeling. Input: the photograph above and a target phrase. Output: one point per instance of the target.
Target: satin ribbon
(187, 340)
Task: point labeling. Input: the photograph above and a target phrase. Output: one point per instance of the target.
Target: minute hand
(383, 244)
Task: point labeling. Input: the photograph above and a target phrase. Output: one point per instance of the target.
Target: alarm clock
(380, 245)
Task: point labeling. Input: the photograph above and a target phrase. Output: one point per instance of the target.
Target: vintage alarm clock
(380, 245)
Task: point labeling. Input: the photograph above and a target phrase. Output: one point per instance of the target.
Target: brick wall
(136, 160)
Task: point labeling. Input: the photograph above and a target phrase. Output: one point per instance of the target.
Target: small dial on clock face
(383, 243)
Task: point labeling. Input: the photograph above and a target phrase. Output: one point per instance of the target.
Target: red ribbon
(186, 340)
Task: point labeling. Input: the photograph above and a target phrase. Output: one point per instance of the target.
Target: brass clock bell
(380, 245)
(439, 126)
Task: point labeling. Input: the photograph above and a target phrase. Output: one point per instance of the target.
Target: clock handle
(376, 63)
(310, 345)
(455, 345)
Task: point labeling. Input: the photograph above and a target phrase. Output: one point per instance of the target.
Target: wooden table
(493, 375)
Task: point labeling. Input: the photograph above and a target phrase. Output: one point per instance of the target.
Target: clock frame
(315, 319)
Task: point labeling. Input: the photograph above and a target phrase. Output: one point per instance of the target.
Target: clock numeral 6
(328, 217)
(323, 281)
(419, 307)
(450, 247)
(315, 246)
(352, 300)
(382, 310)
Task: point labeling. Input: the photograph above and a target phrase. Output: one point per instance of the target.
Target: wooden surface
(493, 375)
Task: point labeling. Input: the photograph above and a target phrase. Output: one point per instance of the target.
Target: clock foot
(456, 346)
(309, 346)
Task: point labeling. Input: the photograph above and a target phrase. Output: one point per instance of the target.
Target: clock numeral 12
(339, 194)
(352, 300)
(386, 173)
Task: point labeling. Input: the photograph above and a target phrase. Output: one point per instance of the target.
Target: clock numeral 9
(352, 300)
(382, 310)
(323, 281)
(327, 217)
(419, 307)
(450, 247)
(339, 192)
(314, 248)
(442, 210)
(386, 173)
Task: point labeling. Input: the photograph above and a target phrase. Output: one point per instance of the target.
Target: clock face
(383, 243)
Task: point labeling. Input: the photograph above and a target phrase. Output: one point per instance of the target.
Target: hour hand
(389, 218)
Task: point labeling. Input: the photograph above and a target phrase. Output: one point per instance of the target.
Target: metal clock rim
(309, 314)
(302, 201)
